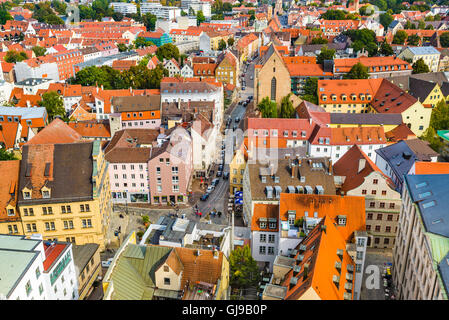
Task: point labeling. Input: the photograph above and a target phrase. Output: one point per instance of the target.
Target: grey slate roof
(429, 192)
(395, 155)
(83, 254)
(420, 89)
(366, 118)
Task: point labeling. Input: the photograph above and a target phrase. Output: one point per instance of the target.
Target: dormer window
(264, 179)
(343, 97)
(27, 195)
(323, 97)
(341, 220)
(291, 217)
(11, 212)
(334, 97)
(46, 194)
(263, 223)
(353, 97)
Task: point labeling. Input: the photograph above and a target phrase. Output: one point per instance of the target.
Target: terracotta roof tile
(56, 132)
(9, 171)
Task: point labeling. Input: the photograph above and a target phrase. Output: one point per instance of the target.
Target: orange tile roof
(52, 253)
(56, 132)
(321, 256)
(92, 129)
(204, 69)
(347, 87)
(326, 206)
(401, 132)
(245, 41)
(350, 135)
(345, 65)
(389, 98)
(424, 167)
(298, 59)
(8, 134)
(348, 166)
(202, 268)
(262, 210)
(9, 171)
(307, 69)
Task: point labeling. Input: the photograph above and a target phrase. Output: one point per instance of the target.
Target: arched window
(273, 89)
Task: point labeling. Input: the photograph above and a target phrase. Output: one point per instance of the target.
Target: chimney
(329, 169)
(362, 163)
(101, 87)
(293, 169)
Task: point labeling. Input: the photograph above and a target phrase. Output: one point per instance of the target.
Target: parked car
(220, 167)
(219, 173)
(107, 263)
(210, 188)
(251, 78)
(250, 98)
(226, 175)
(215, 182)
(234, 127)
(204, 197)
(237, 120)
(243, 88)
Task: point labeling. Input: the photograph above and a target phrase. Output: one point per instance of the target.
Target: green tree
(421, 24)
(413, 40)
(141, 42)
(363, 39)
(6, 155)
(429, 27)
(167, 51)
(39, 51)
(149, 20)
(408, 25)
(122, 47)
(386, 49)
(117, 16)
(59, 6)
(243, 269)
(311, 90)
(14, 56)
(53, 103)
(230, 42)
(399, 37)
(358, 71)
(325, 54)
(431, 136)
(439, 120)
(334, 15)
(444, 39)
(319, 40)
(4, 15)
(221, 45)
(287, 110)
(200, 17)
(385, 19)
(268, 108)
(420, 67)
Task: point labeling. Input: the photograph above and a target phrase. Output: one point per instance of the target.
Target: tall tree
(4, 15)
(444, 39)
(167, 51)
(319, 40)
(439, 119)
(413, 40)
(39, 51)
(221, 45)
(268, 108)
(385, 19)
(149, 20)
(420, 67)
(358, 71)
(325, 54)
(53, 103)
(399, 37)
(244, 271)
(386, 49)
(311, 90)
(200, 17)
(230, 42)
(287, 110)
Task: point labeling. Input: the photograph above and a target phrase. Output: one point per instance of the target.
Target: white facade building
(123, 7)
(33, 269)
(160, 11)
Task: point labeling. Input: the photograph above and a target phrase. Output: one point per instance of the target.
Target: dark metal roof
(366, 118)
(396, 156)
(429, 192)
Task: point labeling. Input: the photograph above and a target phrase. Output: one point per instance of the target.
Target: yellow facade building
(236, 171)
(9, 216)
(64, 192)
(227, 70)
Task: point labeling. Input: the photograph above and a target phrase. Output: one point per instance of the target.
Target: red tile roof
(53, 253)
(56, 132)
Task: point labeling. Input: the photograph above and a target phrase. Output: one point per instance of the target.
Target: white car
(210, 189)
(107, 263)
